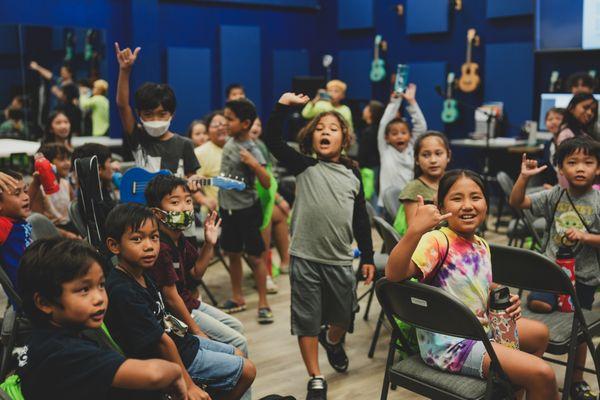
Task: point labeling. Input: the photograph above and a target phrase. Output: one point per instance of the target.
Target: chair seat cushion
(560, 325)
(413, 368)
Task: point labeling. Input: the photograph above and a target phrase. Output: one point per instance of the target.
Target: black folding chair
(430, 308)
(391, 204)
(528, 270)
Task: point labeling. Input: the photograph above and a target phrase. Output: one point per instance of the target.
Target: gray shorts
(321, 294)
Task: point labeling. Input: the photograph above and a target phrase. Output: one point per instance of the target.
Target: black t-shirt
(61, 364)
(176, 154)
(135, 318)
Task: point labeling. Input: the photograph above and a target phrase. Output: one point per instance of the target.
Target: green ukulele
(450, 111)
(378, 65)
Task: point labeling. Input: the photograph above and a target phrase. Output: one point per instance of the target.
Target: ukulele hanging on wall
(469, 80)
(450, 111)
(377, 73)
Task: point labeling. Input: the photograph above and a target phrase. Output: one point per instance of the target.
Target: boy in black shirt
(62, 287)
(139, 323)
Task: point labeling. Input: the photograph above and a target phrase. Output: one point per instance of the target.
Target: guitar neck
(376, 52)
(204, 181)
(469, 46)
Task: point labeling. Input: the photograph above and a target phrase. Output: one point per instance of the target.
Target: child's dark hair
(127, 216)
(46, 265)
(70, 93)
(151, 95)
(193, 124)
(556, 110)
(93, 149)
(585, 144)
(580, 77)
(48, 134)
(397, 120)
(419, 143)
(377, 108)
(229, 88)
(572, 123)
(244, 109)
(69, 69)
(161, 186)
(54, 150)
(450, 178)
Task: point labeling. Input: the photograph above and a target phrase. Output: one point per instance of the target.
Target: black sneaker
(316, 389)
(335, 352)
(582, 391)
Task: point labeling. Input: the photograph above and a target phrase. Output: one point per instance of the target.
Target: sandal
(231, 307)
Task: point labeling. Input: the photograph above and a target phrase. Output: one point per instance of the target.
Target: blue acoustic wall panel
(429, 16)
(273, 3)
(355, 14)
(189, 73)
(558, 26)
(286, 65)
(354, 67)
(428, 75)
(240, 59)
(508, 77)
(509, 8)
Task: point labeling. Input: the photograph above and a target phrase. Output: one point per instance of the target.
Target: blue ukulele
(377, 73)
(135, 180)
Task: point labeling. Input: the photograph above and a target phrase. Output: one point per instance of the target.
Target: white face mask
(156, 128)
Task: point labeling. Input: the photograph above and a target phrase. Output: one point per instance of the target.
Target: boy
(105, 167)
(240, 210)
(141, 326)
(178, 258)
(15, 231)
(99, 106)
(235, 91)
(153, 145)
(336, 90)
(572, 217)
(580, 82)
(62, 287)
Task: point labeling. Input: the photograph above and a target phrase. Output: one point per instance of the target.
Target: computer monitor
(549, 100)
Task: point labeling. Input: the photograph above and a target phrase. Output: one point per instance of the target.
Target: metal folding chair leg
(212, 298)
(376, 334)
(371, 294)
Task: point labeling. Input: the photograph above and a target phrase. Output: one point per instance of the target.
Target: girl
(58, 130)
(329, 211)
(432, 155)
(554, 119)
(580, 118)
(395, 141)
(197, 132)
(466, 272)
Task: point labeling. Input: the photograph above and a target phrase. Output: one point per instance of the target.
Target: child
(139, 323)
(154, 147)
(197, 133)
(572, 219)
(466, 273)
(336, 91)
(240, 210)
(329, 212)
(580, 117)
(15, 231)
(432, 155)
(395, 141)
(235, 91)
(554, 119)
(15, 125)
(105, 168)
(58, 129)
(171, 201)
(580, 82)
(368, 153)
(99, 107)
(61, 283)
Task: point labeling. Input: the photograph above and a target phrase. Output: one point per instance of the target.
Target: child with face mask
(153, 145)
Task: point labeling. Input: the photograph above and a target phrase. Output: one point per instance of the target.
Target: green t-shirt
(99, 106)
(311, 110)
(409, 193)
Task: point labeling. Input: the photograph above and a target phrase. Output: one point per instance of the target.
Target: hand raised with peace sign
(427, 217)
(126, 57)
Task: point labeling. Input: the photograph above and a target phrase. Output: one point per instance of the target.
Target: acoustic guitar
(450, 111)
(469, 80)
(377, 73)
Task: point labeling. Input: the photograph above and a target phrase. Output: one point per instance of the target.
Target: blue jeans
(216, 365)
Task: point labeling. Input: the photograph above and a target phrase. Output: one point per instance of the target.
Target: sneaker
(271, 286)
(231, 307)
(265, 316)
(284, 269)
(316, 389)
(582, 391)
(335, 352)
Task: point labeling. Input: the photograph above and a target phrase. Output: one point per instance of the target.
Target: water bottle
(504, 327)
(401, 78)
(47, 175)
(566, 260)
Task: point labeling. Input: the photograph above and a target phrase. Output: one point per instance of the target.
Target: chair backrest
(9, 288)
(391, 202)
(529, 220)
(506, 183)
(388, 234)
(527, 269)
(41, 227)
(77, 218)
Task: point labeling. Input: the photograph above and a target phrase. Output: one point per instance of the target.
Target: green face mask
(177, 220)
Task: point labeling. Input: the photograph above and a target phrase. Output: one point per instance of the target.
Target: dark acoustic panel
(286, 65)
(428, 75)
(354, 67)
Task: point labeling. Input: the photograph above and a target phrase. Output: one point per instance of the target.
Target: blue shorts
(585, 295)
(473, 365)
(216, 365)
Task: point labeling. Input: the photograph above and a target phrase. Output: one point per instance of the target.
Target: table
(12, 146)
(495, 143)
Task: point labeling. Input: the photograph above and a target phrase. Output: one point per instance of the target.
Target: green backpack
(12, 387)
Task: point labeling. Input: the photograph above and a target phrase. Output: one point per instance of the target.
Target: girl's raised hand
(293, 99)
(530, 167)
(126, 57)
(427, 217)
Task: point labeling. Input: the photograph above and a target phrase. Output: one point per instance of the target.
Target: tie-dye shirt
(466, 274)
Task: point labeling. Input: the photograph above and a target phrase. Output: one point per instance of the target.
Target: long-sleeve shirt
(311, 110)
(329, 209)
(397, 167)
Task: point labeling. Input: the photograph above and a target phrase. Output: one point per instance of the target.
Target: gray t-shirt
(232, 165)
(545, 202)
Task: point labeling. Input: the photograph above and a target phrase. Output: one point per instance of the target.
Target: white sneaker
(271, 286)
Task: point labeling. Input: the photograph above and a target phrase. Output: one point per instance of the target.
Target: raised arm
(289, 158)
(126, 59)
(44, 73)
(529, 168)
(389, 114)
